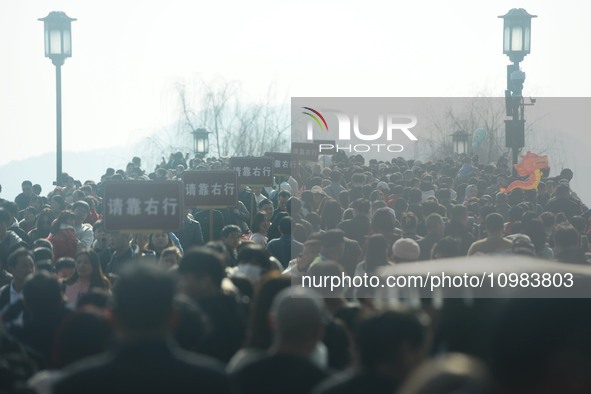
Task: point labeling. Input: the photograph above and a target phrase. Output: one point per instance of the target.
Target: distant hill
(81, 165)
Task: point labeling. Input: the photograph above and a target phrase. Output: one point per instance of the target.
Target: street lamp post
(516, 45)
(58, 47)
(201, 141)
(460, 142)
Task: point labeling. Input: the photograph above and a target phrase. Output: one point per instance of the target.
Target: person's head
(405, 250)
(565, 238)
(562, 191)
(30, 214)
(383, 221)
(494, 224)
(266, 206)
(44, 220)
(65, 219)
(434, 224)
(97, 300)
(333, 244)
(253, 262)
(260, 223)
(27, 187)
(567, 174)
(37, 189)
(57, 204)
(81, 210)
(88, 268)
(42, 254)
(42, 294)
(282, 198)
(20, 264)
(447, 247)
(143, 302)
(202, 272)
(391, 344)
(64, 268)
(230, 236)
(100, 234)
(159, 241)
(285, 226)
(82, 335)
(297, 320)
(170, 257)
(459, 213)
(361, 206)
(118, 241)
(78, 195)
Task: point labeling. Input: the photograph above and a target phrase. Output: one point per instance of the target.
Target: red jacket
(64, 244)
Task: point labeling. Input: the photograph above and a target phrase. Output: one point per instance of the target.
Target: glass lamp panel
(67, 43)
(55, 42)
(517, 39)
(507, 39)
(527, 38)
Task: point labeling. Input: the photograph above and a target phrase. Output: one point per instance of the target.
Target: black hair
(380, 338)
(42, 294)
(229, 229)
(285, 225)
(16, 254)
(143, 297)
(202, 262)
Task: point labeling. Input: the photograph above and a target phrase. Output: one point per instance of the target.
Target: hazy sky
(128, 55)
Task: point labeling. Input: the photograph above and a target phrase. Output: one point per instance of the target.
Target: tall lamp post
(516, 44)
(58, 47)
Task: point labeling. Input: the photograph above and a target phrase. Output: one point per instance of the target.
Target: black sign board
(282, 163)
(253, 171)
(143, 205)
(210, 189)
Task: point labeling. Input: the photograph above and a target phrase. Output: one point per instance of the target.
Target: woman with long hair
(260, 227)
(43, 225)
(158, 242)
(63, 236)
(88, 275)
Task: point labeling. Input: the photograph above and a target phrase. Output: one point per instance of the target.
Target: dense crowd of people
(211, 307)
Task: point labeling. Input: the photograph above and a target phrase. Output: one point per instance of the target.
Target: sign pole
(211, 225)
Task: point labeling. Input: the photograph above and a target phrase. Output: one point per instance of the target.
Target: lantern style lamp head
(460, 142)
(201, 141)
(58, 36)
(517, 33)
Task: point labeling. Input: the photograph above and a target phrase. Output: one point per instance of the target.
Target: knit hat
(406, 249)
